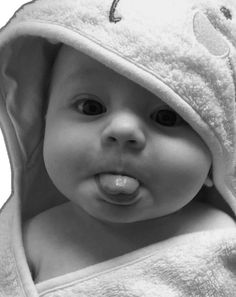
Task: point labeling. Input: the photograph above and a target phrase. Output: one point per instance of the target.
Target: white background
(7, 9)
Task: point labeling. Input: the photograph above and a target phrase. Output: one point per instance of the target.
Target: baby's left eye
(166, 117)
(90, 107)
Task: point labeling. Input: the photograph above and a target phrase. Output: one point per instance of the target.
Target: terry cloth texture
(182, 51)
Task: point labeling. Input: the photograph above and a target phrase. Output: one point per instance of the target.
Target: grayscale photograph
(118, 148)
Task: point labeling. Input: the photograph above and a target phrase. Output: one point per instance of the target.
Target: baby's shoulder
(38, 233)
(36, 228)
(207, 217)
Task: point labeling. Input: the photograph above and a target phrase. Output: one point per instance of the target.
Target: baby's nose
(124, 131)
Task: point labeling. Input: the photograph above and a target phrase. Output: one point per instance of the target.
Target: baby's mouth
(118, 188)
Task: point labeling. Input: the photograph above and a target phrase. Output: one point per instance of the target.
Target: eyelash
(158, 116)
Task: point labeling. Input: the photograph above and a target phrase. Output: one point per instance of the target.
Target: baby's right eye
(90, 107)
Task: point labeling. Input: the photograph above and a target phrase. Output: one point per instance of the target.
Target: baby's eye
(166, 117)
(90, 107)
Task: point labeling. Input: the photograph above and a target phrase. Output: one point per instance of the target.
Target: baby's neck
(130, 235)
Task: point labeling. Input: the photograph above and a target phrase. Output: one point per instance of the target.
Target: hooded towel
(183, 52)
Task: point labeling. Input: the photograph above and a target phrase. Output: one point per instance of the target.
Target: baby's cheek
(180, 162)
(191, 163)
(68, 154)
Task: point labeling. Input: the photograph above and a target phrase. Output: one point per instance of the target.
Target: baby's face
(115, 149)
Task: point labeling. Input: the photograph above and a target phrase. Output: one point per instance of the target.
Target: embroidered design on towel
(112, 17)
(209, 36)
(226, 12)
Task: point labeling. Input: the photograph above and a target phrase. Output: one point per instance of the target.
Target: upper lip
(120, 172)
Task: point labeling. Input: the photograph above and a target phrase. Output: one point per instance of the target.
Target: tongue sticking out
(118, 184)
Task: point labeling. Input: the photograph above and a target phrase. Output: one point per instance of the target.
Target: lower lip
(119, 199)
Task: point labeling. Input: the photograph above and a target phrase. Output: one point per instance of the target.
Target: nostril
(124, 135)
(112, 139)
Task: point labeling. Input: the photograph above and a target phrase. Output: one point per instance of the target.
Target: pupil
(167, 118)
(92, 108)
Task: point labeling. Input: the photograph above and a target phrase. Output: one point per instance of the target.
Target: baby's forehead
(73, 63)
(73, 67)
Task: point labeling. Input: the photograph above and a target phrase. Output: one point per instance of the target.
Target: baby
(129, 165)
(119, 118)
